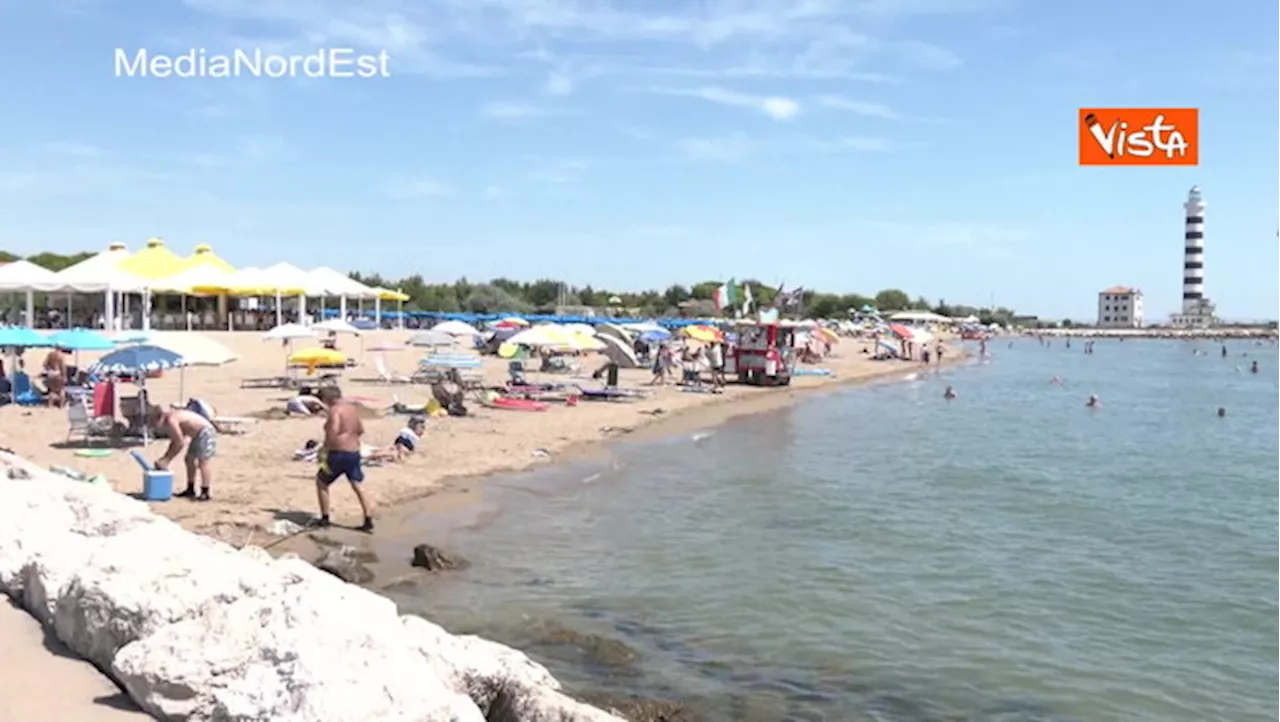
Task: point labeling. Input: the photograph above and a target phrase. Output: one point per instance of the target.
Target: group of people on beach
(340, 454)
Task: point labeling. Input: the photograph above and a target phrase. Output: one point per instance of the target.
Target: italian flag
(727, 295)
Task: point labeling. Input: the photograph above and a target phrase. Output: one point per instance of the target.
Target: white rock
(197, 631)
(297, 657)
(495, 675)
(152, 576)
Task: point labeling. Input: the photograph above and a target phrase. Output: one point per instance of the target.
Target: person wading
(340, 454)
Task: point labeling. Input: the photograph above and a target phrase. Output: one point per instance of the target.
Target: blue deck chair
(23, 393)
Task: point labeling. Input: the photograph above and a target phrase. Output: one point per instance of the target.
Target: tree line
(545, 295)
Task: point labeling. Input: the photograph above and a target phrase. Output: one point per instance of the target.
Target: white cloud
(475, 38)
(858, 107)
(409, 189)
(560, 172)
(73, 148)
(731, 147)
(776, 107)
(515, 111)
(559, 84)
(495, 192)
(739, 146)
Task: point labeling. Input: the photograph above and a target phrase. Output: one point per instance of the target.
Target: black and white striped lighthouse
(1193, 255)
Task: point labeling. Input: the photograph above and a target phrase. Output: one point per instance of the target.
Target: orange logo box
(1139, 136)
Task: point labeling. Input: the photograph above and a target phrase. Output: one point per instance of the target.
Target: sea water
(880, 553)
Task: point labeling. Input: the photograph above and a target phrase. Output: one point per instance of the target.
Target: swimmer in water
(1222, 411)
(949, 394)
(1094, 402)
(1056, 381)
(1253, 368)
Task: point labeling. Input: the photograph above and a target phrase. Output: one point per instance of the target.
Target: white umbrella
(456, 328)
(195, 350)
(337, 325)
(288, 332)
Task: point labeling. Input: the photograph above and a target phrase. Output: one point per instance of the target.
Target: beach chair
(271, 382)
(385, 375)
(515, 370)
(81, 421)
(23, 393)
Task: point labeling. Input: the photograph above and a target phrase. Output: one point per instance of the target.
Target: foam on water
(882, 554)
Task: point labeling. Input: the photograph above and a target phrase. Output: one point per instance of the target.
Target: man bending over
(201, 439)
(340, 454)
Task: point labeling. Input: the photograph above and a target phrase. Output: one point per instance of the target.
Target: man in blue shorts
(340, 454)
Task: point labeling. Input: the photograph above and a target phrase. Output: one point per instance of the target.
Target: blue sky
(846, 145)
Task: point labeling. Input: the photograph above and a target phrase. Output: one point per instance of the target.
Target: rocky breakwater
(194, 629)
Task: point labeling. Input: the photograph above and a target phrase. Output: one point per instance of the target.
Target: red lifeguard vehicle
(764, 354)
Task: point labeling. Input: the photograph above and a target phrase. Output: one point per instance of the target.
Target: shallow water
(881, 554)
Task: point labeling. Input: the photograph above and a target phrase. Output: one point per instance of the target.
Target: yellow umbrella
(204, 256)
(317, 356)
(386, 294)
(583, 342)
(826, 334)
(705, 334)
(513, 321)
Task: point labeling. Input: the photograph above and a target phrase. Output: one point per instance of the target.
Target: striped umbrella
(136, 361)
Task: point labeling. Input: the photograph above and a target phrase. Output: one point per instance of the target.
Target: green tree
(892, 299)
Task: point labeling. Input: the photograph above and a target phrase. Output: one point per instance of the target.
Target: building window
(1194, 235)
(1106, 319)
(1195, 219)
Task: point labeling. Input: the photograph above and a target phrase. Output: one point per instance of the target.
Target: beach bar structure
(127, 279)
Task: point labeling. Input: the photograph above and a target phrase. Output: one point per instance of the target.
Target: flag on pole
(747, 299)
(727, 295)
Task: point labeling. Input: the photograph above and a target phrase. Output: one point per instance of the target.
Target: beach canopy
(152, 263)
(287, 279)
(81, 339)
(288, 332)
(205, 257)
(194, 280)
(195, 349)
(101, 272)
(335, 283)
(619, 352)
(22, 337)
(386, 294)
(336, 325)
(136, 360)
(23, 275)
(243, 282)
(456, 328)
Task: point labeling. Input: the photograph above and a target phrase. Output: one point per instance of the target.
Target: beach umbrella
(582, 342)
(137, 361)
(23, 337)
(195, 350)
(456, 328)
(901, 331)
(705, 334)
(81, 339)
(336, 325)
(288, 332)
(317, 357)
(656, 335)
(580, 328)
(512, 322)
(432, 338)
(548, 336)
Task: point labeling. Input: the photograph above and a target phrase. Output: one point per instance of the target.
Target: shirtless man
(340, 454)
(185, 425)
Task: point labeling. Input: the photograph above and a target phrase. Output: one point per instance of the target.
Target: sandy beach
(257, 481)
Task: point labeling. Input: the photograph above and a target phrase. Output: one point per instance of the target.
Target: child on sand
(340, 454)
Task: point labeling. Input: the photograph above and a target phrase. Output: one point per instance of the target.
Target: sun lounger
(385, 375)
(273, 382)
(611, 394)
(509, 404)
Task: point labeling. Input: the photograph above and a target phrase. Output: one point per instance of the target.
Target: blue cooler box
(157, 485)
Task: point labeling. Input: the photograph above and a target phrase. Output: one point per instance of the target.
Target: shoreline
(461, 490)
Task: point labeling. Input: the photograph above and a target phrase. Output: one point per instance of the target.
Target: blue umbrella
(22, 337)
(136, 361)
(657, 335)
(81, 339)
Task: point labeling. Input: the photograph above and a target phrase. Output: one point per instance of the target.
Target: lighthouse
(1196, 308)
